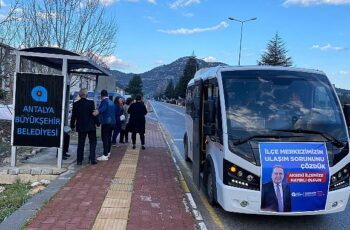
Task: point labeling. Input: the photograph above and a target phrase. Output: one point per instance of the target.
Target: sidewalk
(134, 189)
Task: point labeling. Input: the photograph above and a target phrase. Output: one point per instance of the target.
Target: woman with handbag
(118, 102)
(124, 133)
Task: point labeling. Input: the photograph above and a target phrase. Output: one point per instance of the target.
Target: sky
(156, 32)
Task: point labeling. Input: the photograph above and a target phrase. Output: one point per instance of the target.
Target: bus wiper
(326, 136)
(239, 142)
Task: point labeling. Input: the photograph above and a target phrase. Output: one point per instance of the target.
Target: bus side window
(213, 94)
(219, 131)
(190, 106)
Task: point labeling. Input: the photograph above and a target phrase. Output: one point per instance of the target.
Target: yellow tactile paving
(127, 168)
(121, 187)
(102, 224)
(118, 194)
(119, 180)
(115, 208)
(116, 203)
(125, 174)
(129, 161)
(113, 213)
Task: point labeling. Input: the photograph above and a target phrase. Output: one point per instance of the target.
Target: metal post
(14, 148)
(60, 149)
(240, 45)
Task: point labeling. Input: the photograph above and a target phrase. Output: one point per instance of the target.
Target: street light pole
(240, 43)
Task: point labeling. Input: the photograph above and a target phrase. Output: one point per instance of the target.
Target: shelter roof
(53, 57)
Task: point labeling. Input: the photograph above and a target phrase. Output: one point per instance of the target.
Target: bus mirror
(209, 112)
(208, 130)
(346, 110)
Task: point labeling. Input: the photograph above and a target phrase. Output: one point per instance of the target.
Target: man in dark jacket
(137, 121)
(276, 196)
(85, 124)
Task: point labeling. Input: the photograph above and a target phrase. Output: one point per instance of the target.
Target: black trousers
(106, 136)
(124, 135)
(81, 145)
(66, 140)
(142, 137)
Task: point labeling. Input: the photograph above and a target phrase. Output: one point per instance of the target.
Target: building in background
(7, 68)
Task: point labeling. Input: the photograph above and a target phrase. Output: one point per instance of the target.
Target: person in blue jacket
(106, 112)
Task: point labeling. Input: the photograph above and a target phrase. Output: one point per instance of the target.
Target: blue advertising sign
(38, 110)
(294, 176)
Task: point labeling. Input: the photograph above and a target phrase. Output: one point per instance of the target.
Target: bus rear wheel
(210, 186)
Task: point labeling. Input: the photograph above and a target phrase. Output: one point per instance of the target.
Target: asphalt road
(173, 121)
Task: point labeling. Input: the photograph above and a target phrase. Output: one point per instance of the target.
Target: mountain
(158, 78)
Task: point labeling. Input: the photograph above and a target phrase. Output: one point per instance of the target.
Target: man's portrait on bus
(276, 195)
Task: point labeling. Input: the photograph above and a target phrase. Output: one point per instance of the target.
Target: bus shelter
(41, 96)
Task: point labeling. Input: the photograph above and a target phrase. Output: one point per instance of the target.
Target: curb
(19, 218)
(189, 199)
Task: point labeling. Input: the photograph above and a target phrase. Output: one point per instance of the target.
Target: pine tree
(189, 72)
(135, 86)
(276, 53)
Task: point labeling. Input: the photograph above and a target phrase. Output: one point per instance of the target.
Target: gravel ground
(5, 145)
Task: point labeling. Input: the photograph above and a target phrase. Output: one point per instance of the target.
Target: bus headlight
(340, 179)
(238, 177)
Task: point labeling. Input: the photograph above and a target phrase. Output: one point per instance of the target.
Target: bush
(14, 196)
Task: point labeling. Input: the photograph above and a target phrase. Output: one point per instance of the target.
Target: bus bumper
(238, 200)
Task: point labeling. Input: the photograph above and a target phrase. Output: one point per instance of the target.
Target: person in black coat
(137, 121)
(85, 124)
(270, 193)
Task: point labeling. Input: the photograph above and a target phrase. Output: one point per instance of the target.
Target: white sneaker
(108, 155)
(102, 158)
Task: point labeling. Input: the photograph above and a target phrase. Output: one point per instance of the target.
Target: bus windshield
(276, 102)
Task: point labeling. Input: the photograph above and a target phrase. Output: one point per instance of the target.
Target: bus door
(197, 132)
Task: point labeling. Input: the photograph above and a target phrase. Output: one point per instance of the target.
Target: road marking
(195, 212)
(182, 114)
(185, 188)
(178, 139)
(203, 199)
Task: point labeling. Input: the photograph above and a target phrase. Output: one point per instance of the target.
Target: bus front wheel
(210, 186)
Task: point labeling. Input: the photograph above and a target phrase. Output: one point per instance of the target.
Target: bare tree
(7, 32)
(81, 26)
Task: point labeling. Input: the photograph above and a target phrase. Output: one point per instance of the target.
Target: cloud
(115, 63)
(154, 2)
(315, 2)
(19, 10)
(343, 72)
(46, 15)
(159, 62)
(328, 47)
(152, 19)
(210, 59)
(188, 14)
(183, 3)
(108, 2)
(219, 26)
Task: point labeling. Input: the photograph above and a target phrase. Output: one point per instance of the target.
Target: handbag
(122, 117)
